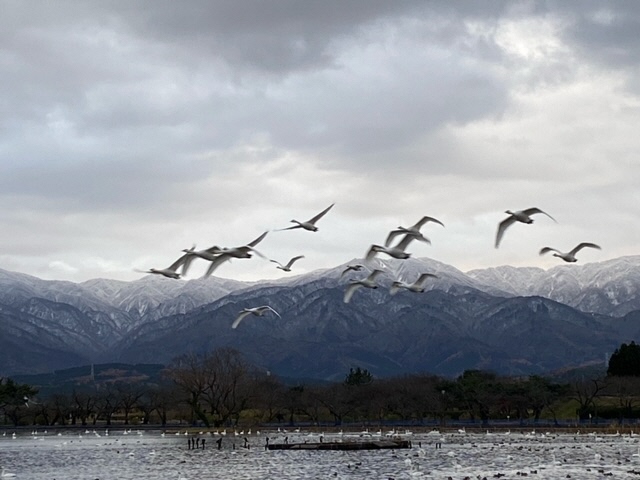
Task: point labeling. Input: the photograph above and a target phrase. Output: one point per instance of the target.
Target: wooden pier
(369, 445)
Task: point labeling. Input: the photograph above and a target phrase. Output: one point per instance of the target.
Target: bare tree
(84, 405)
(189, 374)
(227, 390)
(585, 391)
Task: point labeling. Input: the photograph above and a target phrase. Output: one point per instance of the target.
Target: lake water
(150, 455)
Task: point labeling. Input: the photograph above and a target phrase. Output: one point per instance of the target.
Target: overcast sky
(132, 130)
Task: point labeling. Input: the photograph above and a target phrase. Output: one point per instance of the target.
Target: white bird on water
(569, 256)
(369, 282)
(523, 216)
(287, 267)
(309, 224)
(257, 311)
(6, 474)
(413, 230)
(417, 286)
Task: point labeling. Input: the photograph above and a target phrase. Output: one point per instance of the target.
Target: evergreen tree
(625, 361)
(358, 376)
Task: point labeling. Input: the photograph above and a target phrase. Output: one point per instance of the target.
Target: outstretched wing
(293, 260)
(189, 257)
(423, 278)
(502, 226)
(175, 265)
(426, 219)
(583, 245)
(275, 261)
(355, 268)
(393, 234)
(371, 253)
(395, 287)
(219, 260)
(534, 210)
(289, 228)
(266, 308)
(373, 275)
(548, 249)
(348, 293)
(257, 240)
(404, 243)
(321, 214)
(239, 318)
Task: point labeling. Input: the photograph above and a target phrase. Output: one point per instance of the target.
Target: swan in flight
(413, 230)
(287, 267)
(352, 268)
(569, 256)
(311, 223)
(257, 311)
(395, 252)
(221, 255)
(207, 254)
(523, 216)
(369, 282)
(170, 271)
(417, 286)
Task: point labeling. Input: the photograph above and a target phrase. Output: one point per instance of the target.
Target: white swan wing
(371, 253)
(423, 278)
(293, 260)
(373, 275)
(219, 260)
(350, 290)
(257, 240)
(393, 234)
(240, 317)
(502, 226)
(395, 287)
(355, 268)
(426, 219)
(404, 243)
(175, 265)
(584, 245)
(534, 210)
(321, 214)
(266, 308)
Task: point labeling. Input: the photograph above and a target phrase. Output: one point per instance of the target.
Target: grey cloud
(602, 32)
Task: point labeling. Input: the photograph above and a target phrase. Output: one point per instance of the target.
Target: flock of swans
(216, 255)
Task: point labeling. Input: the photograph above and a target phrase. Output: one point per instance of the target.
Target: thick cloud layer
(130, 131)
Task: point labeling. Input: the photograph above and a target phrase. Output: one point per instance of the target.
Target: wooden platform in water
(370, 445)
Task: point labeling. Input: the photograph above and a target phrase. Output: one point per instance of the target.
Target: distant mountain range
(506, 319)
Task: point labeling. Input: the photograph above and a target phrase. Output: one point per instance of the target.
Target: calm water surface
(150, 455)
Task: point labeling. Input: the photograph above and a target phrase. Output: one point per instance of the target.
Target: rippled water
(150, 455)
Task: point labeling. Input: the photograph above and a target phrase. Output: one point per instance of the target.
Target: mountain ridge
(489, 318)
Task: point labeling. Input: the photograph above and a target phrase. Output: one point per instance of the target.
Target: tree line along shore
(220, 389)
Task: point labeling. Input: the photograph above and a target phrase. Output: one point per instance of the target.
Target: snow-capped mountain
(517, 320)
(611, 287)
